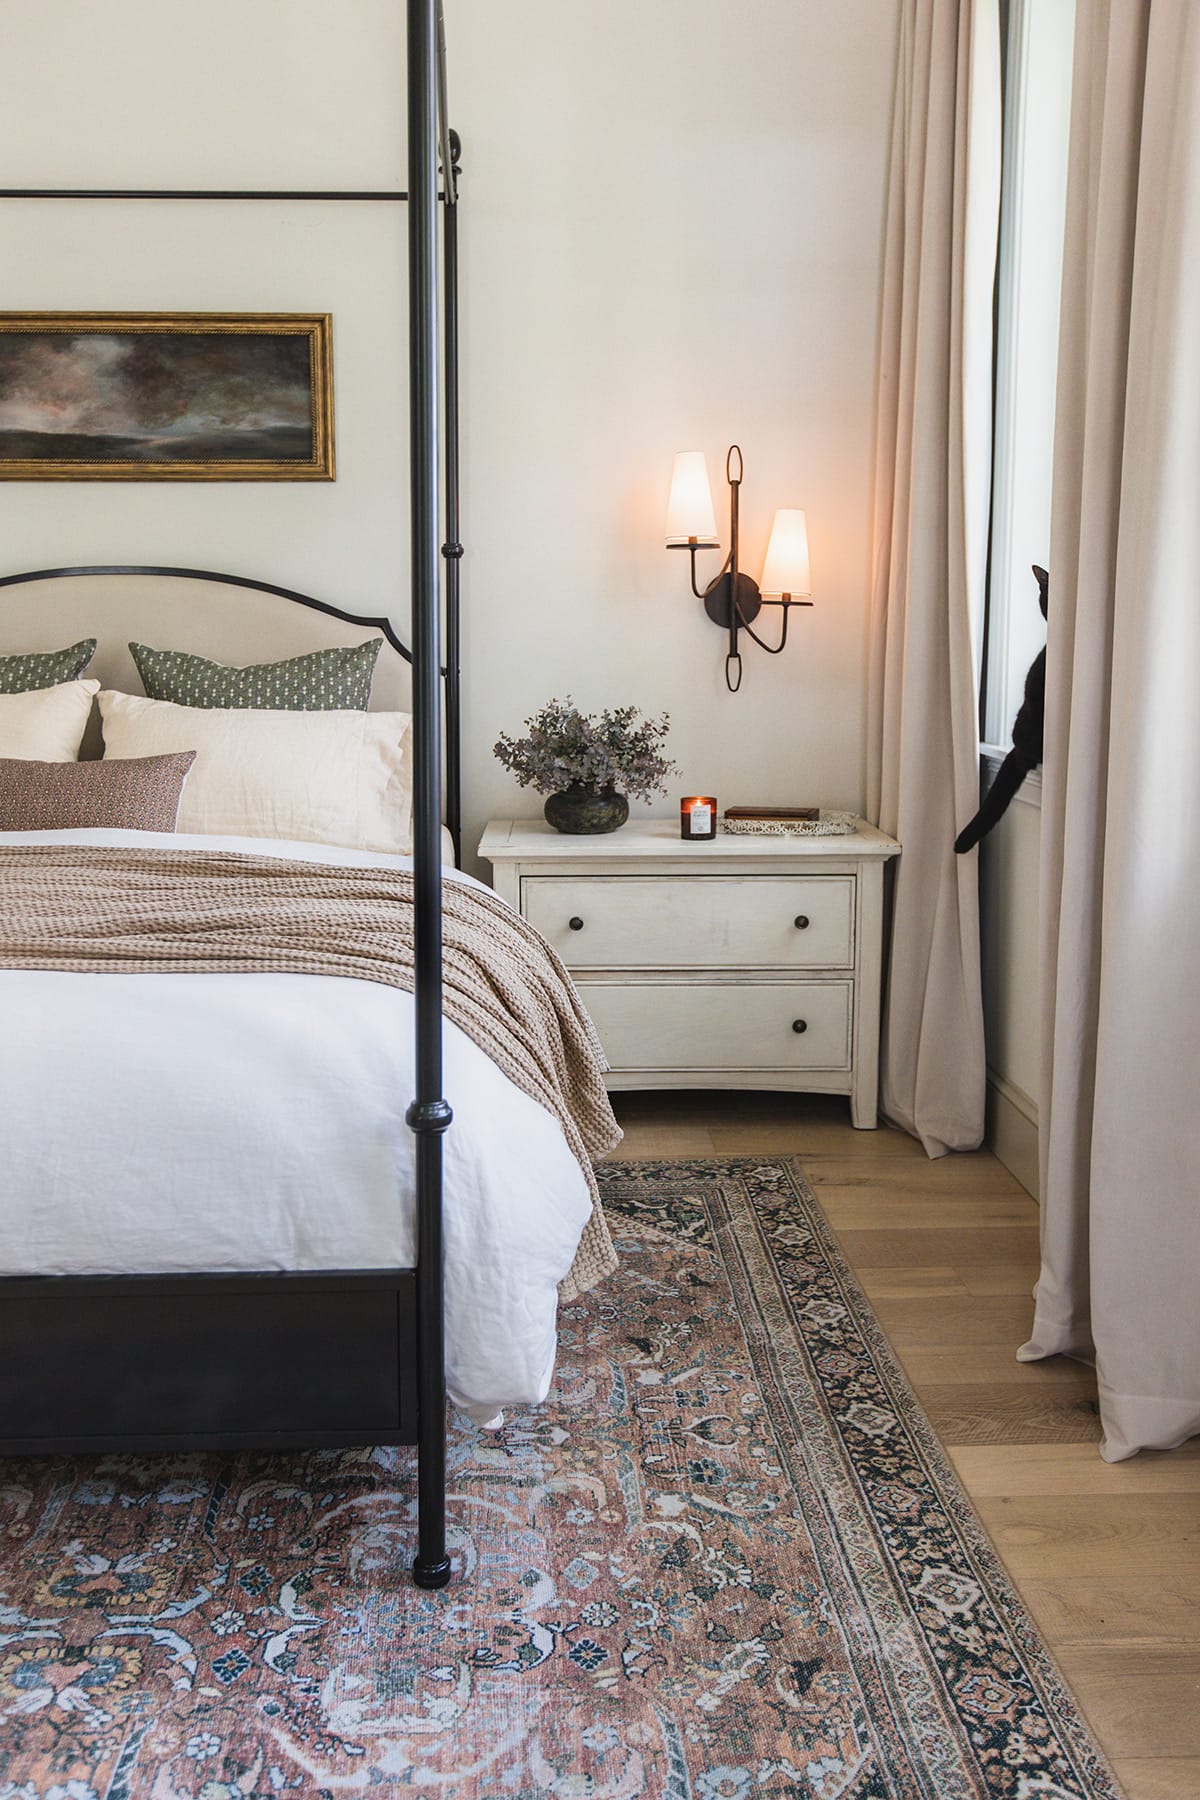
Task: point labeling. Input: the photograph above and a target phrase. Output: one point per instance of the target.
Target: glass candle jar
(698, 817)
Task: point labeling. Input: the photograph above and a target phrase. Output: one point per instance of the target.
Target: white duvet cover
(174, 1123)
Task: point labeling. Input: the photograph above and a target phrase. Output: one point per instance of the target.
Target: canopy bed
(257, 1330)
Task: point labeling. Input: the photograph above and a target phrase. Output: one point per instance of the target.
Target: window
(1037, 103)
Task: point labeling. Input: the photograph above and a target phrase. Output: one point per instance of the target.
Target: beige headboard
(209, 615)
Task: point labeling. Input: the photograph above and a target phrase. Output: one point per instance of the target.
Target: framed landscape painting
(166, 397)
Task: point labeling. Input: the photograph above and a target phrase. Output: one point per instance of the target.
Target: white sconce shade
(690, 507)
(785, 568)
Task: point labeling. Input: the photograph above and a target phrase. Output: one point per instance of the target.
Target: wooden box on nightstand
(747, 962)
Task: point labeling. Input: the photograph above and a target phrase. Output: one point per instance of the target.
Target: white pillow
(47, 724)
(323, 777)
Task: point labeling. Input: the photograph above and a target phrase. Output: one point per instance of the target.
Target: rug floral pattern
(724, 1561)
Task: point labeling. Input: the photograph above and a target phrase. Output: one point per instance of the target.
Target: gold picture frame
(102, 396)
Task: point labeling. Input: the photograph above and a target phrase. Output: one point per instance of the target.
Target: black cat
(1029, 730)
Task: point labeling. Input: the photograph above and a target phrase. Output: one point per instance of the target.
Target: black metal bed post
(429, 1115)
(452, 549)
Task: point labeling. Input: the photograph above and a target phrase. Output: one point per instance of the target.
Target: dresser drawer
(694, 921)
(754, 1025)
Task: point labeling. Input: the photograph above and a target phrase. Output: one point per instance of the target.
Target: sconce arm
(692, 549)
(786, 603)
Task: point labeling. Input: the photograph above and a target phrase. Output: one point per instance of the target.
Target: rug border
(1018, 1619)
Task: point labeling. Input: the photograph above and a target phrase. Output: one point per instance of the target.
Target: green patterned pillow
(322, 681)
(45, 668)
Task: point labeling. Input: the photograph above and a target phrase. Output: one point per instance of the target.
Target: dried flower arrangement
(564, 748)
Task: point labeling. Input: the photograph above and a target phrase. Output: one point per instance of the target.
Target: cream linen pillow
(325, 777)
(46, 724)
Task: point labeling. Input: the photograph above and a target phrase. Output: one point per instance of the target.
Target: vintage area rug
(725, 1561)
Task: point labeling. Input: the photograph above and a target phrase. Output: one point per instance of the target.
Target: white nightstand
(747, 962)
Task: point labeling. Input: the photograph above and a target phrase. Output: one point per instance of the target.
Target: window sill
(1030, 790)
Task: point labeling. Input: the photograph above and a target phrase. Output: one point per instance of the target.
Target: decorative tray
(830, 824)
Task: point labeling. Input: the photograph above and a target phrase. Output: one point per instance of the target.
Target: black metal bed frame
(271, 1360)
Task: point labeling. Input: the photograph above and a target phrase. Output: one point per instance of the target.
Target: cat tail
(1009, 776)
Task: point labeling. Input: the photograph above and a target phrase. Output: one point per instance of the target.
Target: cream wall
(670, 239)
(231, 93)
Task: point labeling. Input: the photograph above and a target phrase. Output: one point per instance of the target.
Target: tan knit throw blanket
(100, 909)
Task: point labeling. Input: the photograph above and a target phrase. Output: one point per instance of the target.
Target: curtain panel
(931, 496)
(1120, 1124)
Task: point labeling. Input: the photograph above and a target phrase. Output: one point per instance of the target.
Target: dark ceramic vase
(578, 811)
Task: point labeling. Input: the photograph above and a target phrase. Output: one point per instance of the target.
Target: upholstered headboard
(230, 618)
(233, 619)
(227, 617)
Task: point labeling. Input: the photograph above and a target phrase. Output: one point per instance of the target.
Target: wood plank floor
(1107, 1557)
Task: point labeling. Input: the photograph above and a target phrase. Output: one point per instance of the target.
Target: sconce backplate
(717, 600)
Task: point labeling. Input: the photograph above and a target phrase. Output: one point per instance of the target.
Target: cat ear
(1043, 581)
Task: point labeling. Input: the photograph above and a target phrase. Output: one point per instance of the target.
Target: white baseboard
(1012, 1130)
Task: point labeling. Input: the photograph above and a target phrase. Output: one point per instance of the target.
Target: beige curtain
(931, 485)
(1120, 1106)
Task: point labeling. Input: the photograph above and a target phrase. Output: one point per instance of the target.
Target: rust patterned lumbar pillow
(140, 793)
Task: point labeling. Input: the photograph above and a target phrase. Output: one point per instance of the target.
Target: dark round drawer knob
(801, 921)
(576, 924)
(799, 1024)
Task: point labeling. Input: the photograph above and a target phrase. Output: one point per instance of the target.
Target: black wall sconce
(732, 598)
